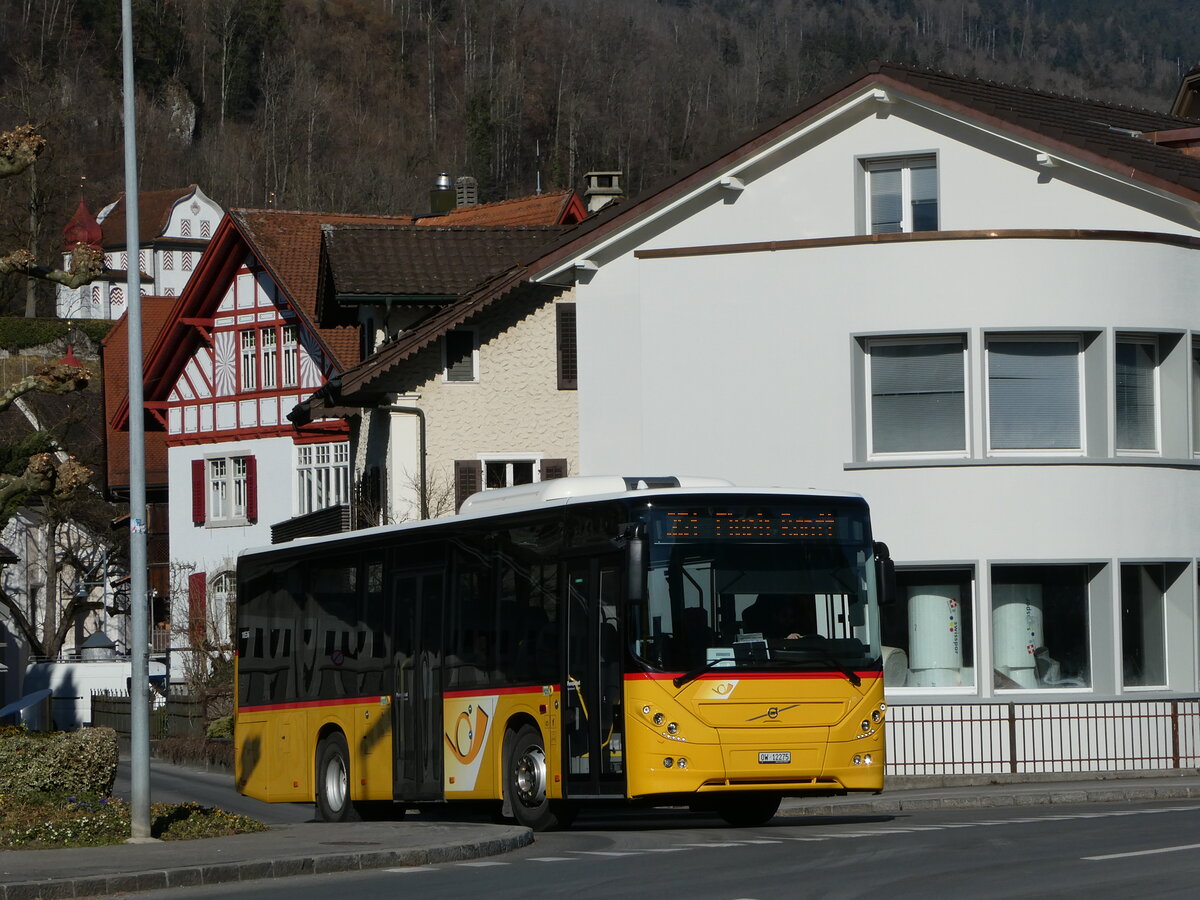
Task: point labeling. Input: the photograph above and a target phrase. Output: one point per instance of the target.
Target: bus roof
(560, 492)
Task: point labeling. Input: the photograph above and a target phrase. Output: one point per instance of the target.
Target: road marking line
(552, 859)
(408, 869)
(607, 852)
(714, 844)
(804, 839)
(480, 865)
(666, 849)
(760, 842)
(1144, 852)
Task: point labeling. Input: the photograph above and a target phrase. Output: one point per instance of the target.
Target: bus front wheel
(748, 810)
(333, 780)
(525, 782)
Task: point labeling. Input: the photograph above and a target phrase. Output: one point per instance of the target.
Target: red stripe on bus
(493, 692)
(743, 676)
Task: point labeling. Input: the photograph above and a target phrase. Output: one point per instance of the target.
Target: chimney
(466, 191)
(602, 189)
(441, 198)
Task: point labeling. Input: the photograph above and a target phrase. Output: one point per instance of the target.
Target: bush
(221, 728)
(73, 822)
(196, 750)
(59, 764)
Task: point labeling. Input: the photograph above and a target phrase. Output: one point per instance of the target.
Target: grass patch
(33, 823)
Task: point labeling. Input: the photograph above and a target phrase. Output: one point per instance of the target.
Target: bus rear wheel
(748, 810)
(525, 781)
(333, 780)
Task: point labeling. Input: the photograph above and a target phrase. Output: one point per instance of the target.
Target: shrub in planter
(59, 764)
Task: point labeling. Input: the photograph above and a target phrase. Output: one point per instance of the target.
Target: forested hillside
(356, 104)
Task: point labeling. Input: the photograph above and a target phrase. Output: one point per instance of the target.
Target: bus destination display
(748, 525)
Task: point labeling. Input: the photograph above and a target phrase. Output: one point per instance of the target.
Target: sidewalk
(316, 848)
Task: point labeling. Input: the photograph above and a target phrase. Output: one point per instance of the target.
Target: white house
(976, 305)
(174, 227)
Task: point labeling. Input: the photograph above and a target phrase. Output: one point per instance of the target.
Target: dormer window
(902, 194)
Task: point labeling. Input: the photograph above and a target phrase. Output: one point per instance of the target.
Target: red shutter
(468, 477)
(252, 488)
(197, 607)
(197, 492)
(568, 355)
(553, 468)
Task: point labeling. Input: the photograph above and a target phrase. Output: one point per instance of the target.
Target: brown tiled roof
(552, 208)
(424, 260)
(114, 360)
(289, 245)
(154, 214)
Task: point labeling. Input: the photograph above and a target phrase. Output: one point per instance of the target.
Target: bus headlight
(668, 762)
(682, 763)
(867, 759)
(857, 760)
(659, 718)
(866, 726)
(672, 727)
(876, 715)
(645, 710)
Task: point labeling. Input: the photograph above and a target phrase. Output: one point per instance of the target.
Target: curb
(253, 869)
(994, 801)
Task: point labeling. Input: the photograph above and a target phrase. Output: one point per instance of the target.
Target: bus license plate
(775, 756)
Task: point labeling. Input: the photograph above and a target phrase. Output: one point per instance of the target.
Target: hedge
(59, 764)
(20, 333)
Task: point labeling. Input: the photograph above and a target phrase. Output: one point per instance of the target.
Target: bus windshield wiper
(824, 653)
(681, 680)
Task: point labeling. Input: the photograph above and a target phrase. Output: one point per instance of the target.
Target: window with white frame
(928, 633)
(270, 358)
(323, 476)
(1136, 400)
(1144, 625)
(902, 194)
(249, 360)
(223, 592)
(460, 361)
(499, 473)
(917, 390)
(291, 356)
(1040, 635)
(1034, 393)
(228, 489)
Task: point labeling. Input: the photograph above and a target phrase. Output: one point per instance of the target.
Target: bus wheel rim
(531, 777)
(335, 784)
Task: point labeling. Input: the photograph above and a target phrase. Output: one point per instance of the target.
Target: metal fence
(999, 738)
(178, 717)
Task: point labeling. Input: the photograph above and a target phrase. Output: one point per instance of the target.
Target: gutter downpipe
(420, 414)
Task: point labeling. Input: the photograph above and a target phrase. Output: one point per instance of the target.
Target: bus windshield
(720, 593)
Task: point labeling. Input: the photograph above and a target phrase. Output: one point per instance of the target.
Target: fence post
(1175, 734)
(1012, 738)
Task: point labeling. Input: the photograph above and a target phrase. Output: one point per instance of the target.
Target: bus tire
(748, 810)
(525, 782)
(333, 780)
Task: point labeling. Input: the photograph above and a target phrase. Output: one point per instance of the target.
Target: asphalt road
(1093, 851)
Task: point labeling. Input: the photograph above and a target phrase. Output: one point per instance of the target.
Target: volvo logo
(772, 712)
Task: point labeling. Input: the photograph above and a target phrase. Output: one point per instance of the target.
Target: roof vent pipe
(442, 196)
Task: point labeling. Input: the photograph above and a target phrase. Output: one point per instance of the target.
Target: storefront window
(1040, 627)
(927, 632)
(1143, 625)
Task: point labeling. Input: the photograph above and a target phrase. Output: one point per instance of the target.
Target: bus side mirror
(885, 574)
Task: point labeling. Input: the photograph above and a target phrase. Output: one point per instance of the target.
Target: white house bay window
(1034, 394)
(323, 476)
(917, 396)
(291, 354)
(249, 361)
(270, 358)
(1136, 410)
(1040, 627)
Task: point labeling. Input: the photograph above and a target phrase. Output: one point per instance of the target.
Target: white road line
(483, 864)
(804, 839)
(1144, 852)
(666, 849)
(552, 859)
(608, 852)
(760, 842)
(410, 869)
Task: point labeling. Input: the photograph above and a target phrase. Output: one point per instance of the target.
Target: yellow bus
(662, 641)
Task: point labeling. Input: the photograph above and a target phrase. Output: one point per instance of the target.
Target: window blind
(1033, 395)
(917, 397)
(1135, 403)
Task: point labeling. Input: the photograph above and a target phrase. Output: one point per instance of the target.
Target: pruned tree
(20, 149)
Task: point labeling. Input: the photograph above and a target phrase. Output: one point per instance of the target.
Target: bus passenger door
(592, 683)
(417, 693)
